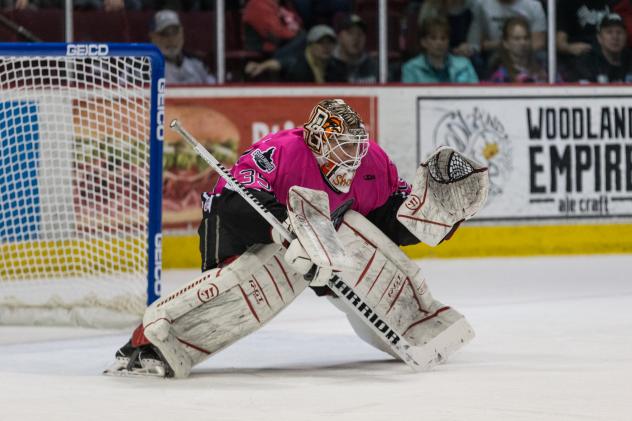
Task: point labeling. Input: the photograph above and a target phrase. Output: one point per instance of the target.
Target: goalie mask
(337, 137)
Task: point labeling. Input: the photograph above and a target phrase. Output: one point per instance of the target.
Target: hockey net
(76, 240)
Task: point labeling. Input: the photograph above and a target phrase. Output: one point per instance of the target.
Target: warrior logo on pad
(264, 159)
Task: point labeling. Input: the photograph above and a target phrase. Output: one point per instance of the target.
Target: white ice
(554, 342)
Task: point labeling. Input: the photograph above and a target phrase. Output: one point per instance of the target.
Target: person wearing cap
(167, 33)
(435, 64)
(312, 65)
(577, 22)
(611, 60)
(350, 54)
(576, 33)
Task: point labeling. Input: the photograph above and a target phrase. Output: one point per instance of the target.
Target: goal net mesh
(74, 189)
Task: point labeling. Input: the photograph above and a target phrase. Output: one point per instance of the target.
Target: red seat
(138, 25)
(47, 24)
(392, 6)
(199, 33)
(370, 16)
(236, 55)
(411, 37)
(6, 34)
(100, 26)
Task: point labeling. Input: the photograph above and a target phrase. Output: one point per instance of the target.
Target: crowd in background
(430, 41)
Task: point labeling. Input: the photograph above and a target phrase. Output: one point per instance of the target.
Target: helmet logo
(333, 124)
(322, 121)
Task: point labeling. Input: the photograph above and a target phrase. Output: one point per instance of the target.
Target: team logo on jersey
(264, 159)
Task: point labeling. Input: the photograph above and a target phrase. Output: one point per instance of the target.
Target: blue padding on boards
(20, 210)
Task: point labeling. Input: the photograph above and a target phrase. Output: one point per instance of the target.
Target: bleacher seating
(411, 45)
(199, 34)
(47, 24)
(199, 26)
(236, 54)
(133, 26)
(138, 25)
(6, 34)
(100, 26)
(370, 16)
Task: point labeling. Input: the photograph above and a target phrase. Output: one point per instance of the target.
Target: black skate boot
(144, 360)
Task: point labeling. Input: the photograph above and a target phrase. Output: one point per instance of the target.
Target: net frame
(78, 53)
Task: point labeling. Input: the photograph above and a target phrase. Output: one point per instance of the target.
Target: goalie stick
(400, 346)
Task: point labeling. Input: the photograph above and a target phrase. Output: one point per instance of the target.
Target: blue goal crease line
(20, 209)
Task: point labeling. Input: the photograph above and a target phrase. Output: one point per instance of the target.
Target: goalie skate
(144, 361)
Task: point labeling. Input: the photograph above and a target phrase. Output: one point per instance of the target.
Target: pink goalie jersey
(282, 160)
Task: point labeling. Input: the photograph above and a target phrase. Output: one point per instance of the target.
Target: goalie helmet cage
(81, 129)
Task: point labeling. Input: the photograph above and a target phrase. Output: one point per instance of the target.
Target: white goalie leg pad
(221, 306)
(361, 329)
(448, 188)
(394, 289)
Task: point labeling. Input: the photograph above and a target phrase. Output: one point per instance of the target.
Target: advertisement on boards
(227, 126)
(550, 158)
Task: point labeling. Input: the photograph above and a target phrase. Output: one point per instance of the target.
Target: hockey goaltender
(250, 272)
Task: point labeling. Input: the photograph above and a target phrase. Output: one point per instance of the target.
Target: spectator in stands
(577, 22)
(270, 25)
(610, 61)
(435, 64)
(516, 62)
(167, 34)
(457, 12)
(350, 54)
(485, 33)
(576, 36)
(314, 64)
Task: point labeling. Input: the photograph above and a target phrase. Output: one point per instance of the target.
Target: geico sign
(160, 110)
(82, 50)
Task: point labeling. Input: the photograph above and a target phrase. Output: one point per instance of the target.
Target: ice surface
(554, 342)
